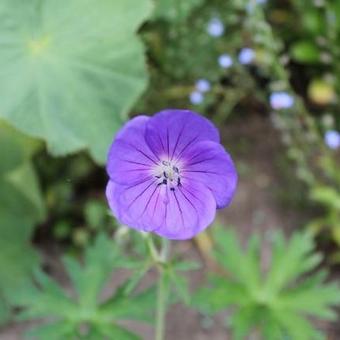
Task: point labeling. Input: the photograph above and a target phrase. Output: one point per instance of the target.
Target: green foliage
(21, 206)
(97, 215)
(175, 10)
(76, 68)
(84, 314)
(329, 199)
(305, 52)
(276, 301)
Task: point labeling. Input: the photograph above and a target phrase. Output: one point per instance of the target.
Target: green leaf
(314, 300)
(229, 253)
(327, 196)
(220, 295)
(50, 300)
(305, 51)
(313, 21)
(280, 300)
(68, 314)
(179, 284)
(55, 331)
(116, 332)
(290, 260)
(95, 214)
(120, 306)
(296, 326)
(89, 279)
(4, 311)
(21, 206)
(175, 10)
(76, 69)
(243, 321)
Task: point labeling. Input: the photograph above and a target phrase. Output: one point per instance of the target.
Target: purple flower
(215, 27)
(225, 60)
(203, 85)
(246, 55)
(196, 97)
(281, 100)
(169, 173)
(332, 139)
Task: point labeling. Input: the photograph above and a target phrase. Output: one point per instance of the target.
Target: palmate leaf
(290, 260)
(279, 304)
(67, 314)
(71, 70)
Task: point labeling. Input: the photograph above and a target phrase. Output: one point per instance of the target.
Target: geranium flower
(281, 100)
(196, 97)
(246, 56)
(332, 139)
(215, 27)
(169, 173)
(225, 60)
(203, 85)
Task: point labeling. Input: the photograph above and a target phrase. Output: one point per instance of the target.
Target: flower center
(168, 174)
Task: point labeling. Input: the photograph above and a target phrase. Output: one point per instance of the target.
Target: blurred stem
(160, 258)
(161, 306)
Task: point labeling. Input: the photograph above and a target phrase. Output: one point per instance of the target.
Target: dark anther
(175, 169)
(165, 182)
(165, 174)
(165, 163)
(172, 189)
(158, 176)
(179, 181)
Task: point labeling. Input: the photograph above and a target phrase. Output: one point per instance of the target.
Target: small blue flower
(203, 85)
(281, 100)
(246, 55)
(215, 27)
(196, 97)
(225, 60)
(332, 139)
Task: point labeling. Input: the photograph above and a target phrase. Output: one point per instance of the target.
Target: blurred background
(267, 73)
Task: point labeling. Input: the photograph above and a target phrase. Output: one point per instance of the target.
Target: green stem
(160, 259)
(161, 306)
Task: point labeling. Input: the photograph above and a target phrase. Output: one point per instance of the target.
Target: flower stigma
(167, 173)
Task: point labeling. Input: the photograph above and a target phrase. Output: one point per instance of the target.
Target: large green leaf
(21, 206)
(70, 70)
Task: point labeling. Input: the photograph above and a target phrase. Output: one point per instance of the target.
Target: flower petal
(140, 206)
(208, 163)
(170, 132)
(130, 159)
(191, 208)
(179, 214)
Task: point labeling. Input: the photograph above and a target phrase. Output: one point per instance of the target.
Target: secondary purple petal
(171, 132)
(191, 208)
(141, 206)
(130, 159)
(208, 163)
(178, 214)
(113, 192)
